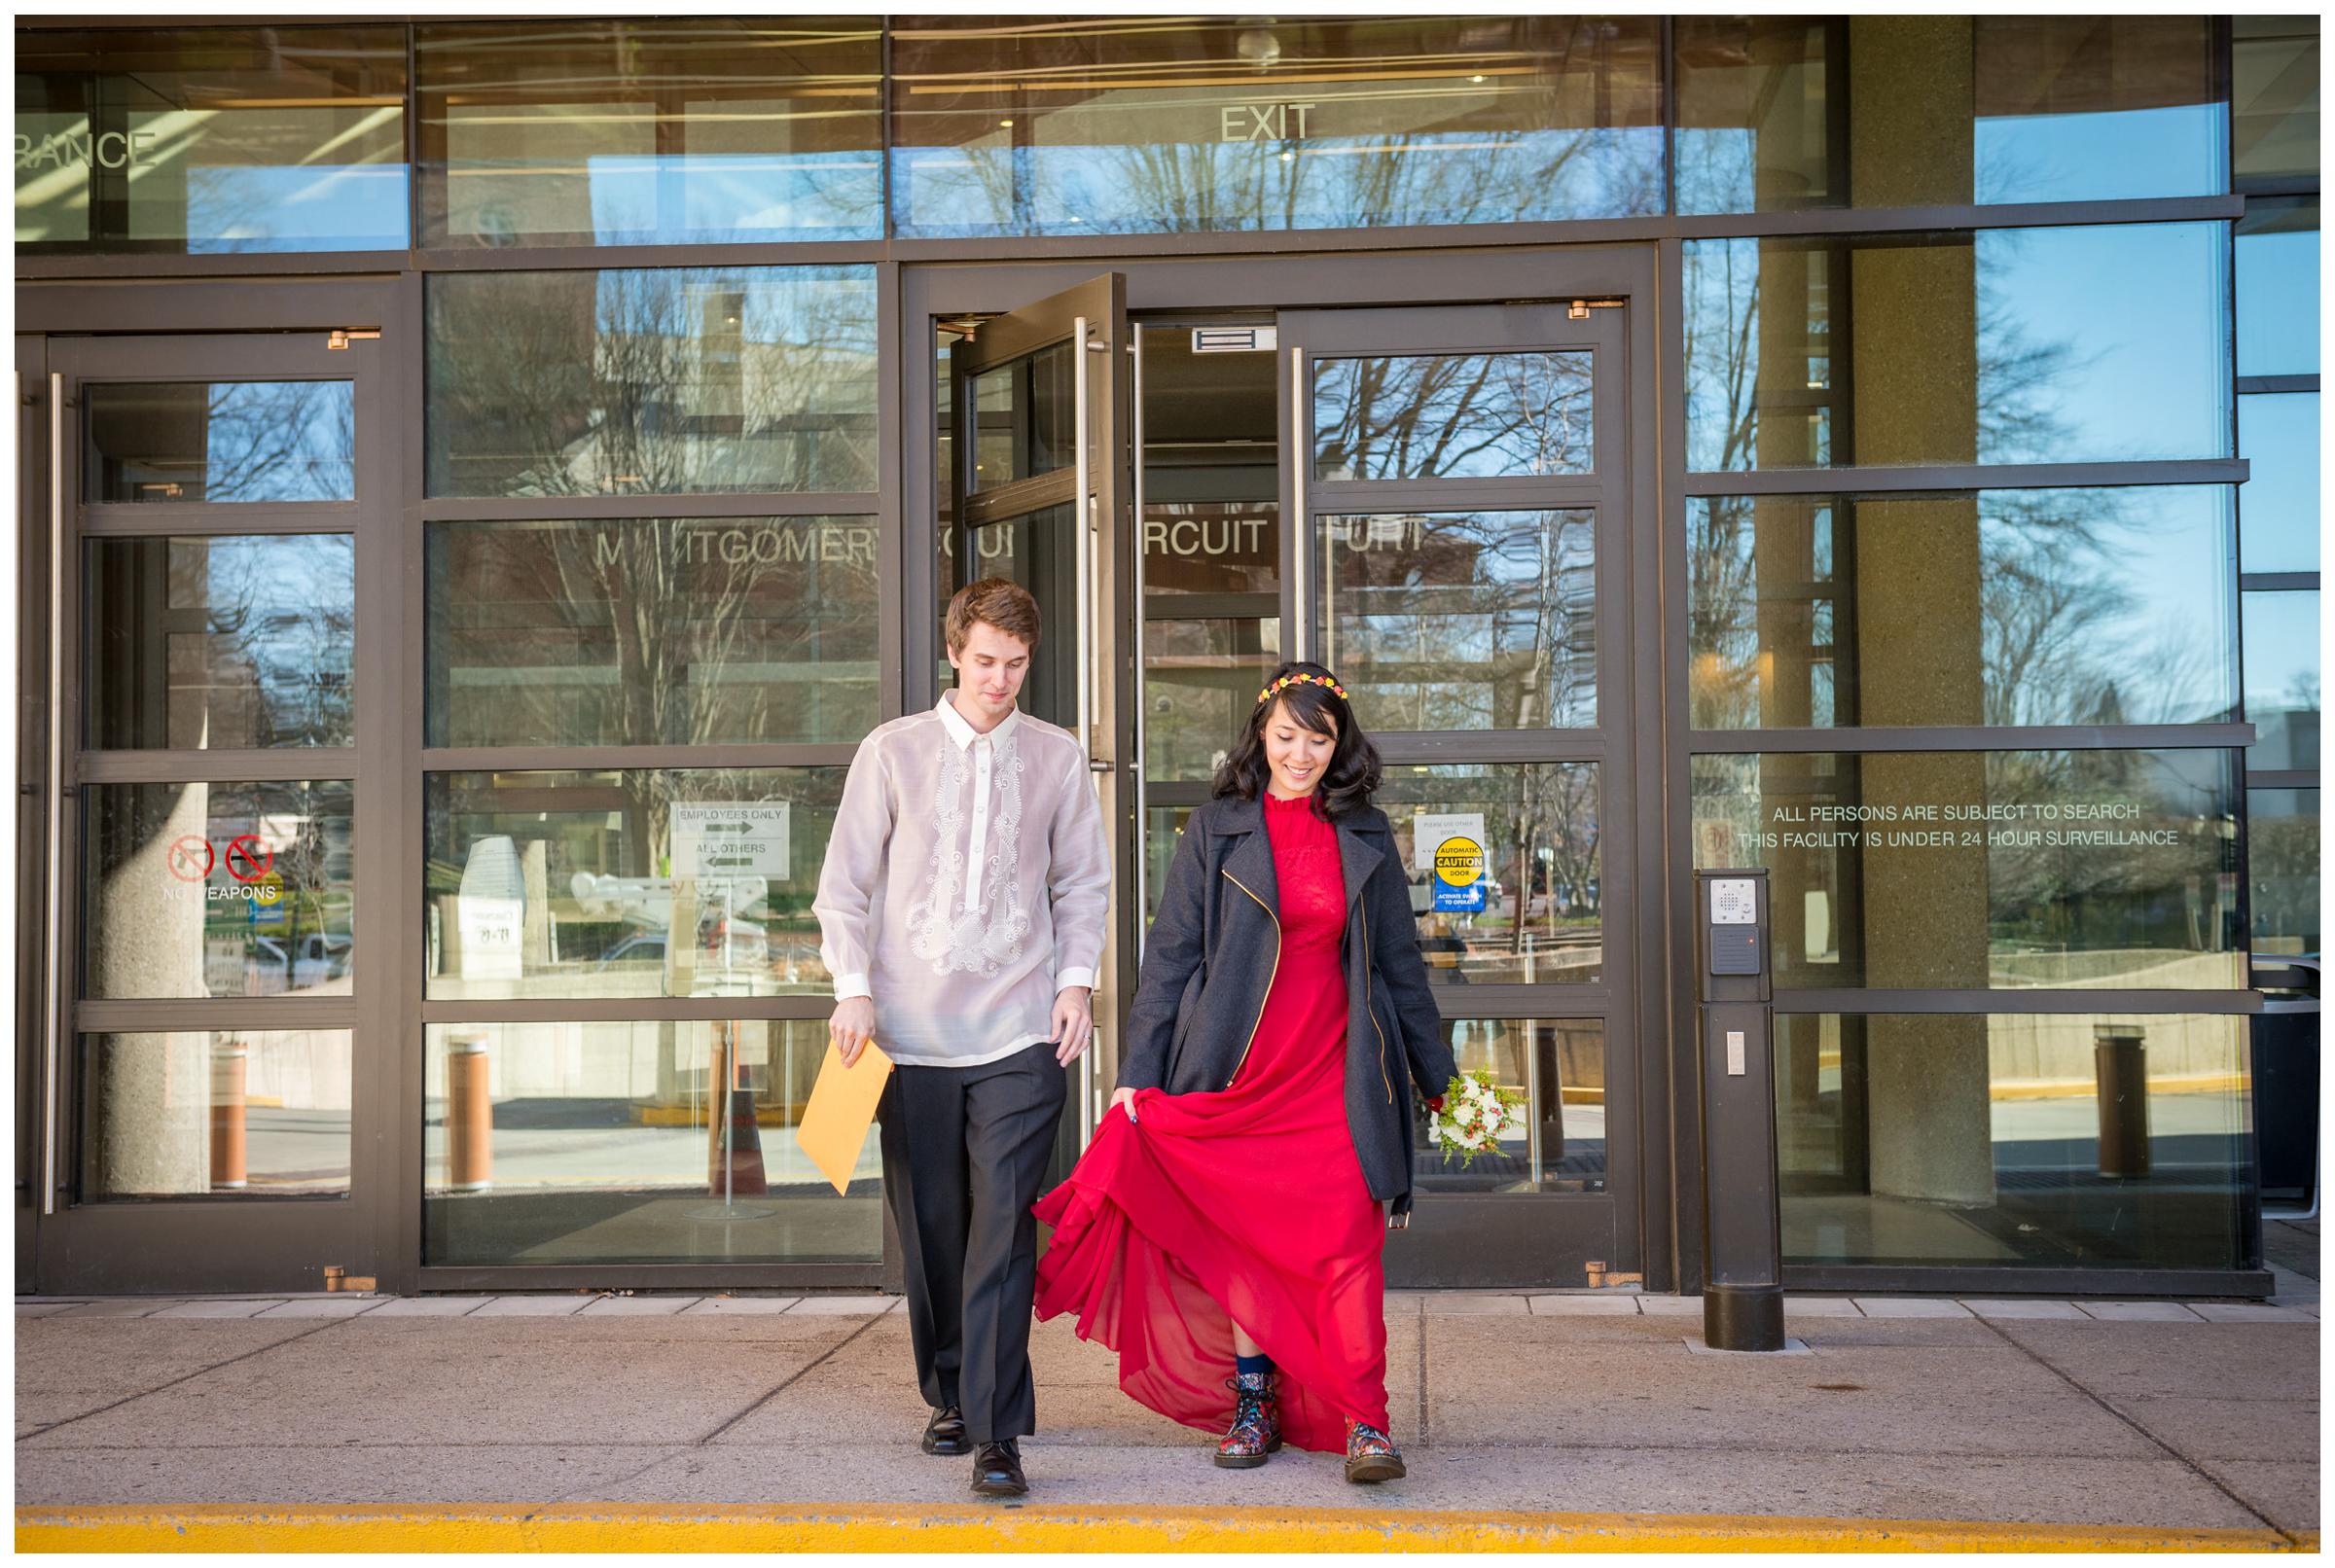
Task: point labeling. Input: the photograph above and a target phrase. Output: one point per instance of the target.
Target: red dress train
(1246, 1205)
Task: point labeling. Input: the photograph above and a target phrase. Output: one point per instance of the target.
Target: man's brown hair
(1003, 604)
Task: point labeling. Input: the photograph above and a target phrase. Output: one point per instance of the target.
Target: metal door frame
(193, 1243)
(1587, 1225)
(1096, 483)
(1639, 1051)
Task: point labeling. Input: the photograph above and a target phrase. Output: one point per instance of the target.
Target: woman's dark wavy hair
(1353, 775)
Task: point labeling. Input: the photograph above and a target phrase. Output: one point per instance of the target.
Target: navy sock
(1246, 1365)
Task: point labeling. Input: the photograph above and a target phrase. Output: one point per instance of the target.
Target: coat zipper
(1269, 980)
(1364, 900)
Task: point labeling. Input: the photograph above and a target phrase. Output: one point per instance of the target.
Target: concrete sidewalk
(1548, 1409)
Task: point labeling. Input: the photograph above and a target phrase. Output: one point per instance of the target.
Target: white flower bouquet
(1474, 1113)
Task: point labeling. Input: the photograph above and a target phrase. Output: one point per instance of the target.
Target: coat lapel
(1250, 862)
(1359, 856)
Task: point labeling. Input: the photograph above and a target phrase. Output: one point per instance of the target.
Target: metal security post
(1743, 1279)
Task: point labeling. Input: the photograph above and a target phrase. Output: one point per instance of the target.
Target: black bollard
(1742, 1277)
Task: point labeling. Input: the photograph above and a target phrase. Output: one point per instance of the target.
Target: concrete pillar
(147, 1096)
(1910, 95)
(1913, 312)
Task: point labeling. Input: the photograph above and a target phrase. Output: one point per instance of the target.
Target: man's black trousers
(964, 1152)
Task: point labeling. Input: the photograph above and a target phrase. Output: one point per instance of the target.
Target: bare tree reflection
(280, 440)
(690, 631)
(653, 381)
(2070, 629)
(1128, 126)
(1452, 415)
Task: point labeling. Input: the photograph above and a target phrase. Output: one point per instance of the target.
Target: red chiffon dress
(1246, 1205)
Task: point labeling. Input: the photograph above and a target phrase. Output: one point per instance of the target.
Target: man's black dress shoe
(997, 1470)
(945, 1433)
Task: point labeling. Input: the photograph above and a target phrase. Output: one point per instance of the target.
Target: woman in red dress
(1222, 1232)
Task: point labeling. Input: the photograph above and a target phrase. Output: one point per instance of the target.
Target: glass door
(1035, 448)
(1459, 554)
(217, 953)
(1435, 499)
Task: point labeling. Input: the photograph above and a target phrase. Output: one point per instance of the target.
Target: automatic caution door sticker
(1450, 844)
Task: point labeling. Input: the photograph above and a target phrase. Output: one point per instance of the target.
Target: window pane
(227, 1113)
(1149, 124)
(1464, 620)
(2278, 288)
(211, 140)
(2046, 1140)
(572, 884)
(2008, 346)
(1452, 416)
(2281, 832)
(2278, 506)
(217, 890)
(1782, 113)
(652, 383)
(2274, 96)
(1211, 548)
(651, 631)
(1557, 1066)
(221, 441)
(1201, 680)
(650, 132)
(221, 641)
(2003, 607)
(1968, 870)
(1026, 418)
(1159, 835)
(2281, 679)
(609, 1143)
(1540, 917)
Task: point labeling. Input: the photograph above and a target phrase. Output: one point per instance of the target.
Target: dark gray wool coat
(1210, 960)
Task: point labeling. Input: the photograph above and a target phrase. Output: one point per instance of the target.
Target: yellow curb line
(978, 1527)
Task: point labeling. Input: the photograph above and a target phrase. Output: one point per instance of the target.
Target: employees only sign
(727, 840)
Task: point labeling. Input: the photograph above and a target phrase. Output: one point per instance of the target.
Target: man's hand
(1120, 1097)
(853, 1026)
(1074, 1024)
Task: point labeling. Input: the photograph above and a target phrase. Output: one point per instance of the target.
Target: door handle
(1138, 653)
(1300, 630)
(53, 1002)
(1082, 522)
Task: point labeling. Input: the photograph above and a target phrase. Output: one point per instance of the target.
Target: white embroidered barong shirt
(967, 881)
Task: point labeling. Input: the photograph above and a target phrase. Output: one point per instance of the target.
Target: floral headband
(1275, 690)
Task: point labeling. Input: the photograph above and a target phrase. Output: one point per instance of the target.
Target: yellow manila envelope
(843, 1106)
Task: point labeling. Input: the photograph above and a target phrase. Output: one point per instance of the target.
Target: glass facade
(216, 1113)
(1783, 114)
(218, 890)
(2036, 346)
(1557, 1069)
(1944, 552)
(1999, 608)
(652, 383)
(651, 631)
(1475, 621)
(2001, 869)
(574, 884)
(2064, 1140)
(641, 132)
(616, 1143)
(1144, 125)
(161, 441)
(220, 642)
(211, 141)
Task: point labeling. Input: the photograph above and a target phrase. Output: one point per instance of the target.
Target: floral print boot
(1256, 1429)
(1371, 1454)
